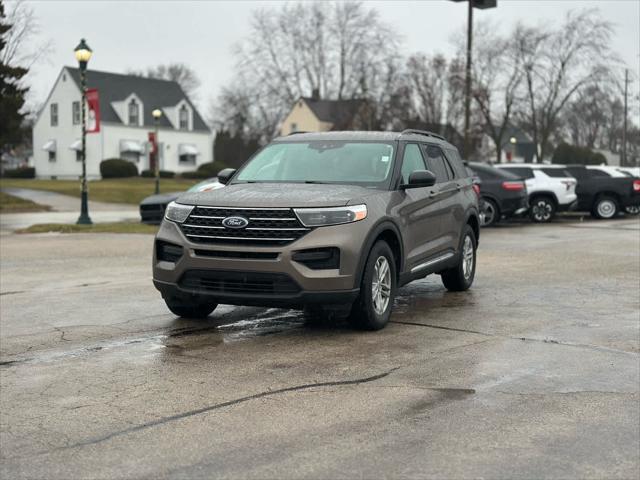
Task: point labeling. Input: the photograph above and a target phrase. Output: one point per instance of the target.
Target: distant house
(517, 147)
(312, 114)
(126, 103)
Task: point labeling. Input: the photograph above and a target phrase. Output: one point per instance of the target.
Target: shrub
(206, 170)
(152, 174)
(573, 154)
(117, 168)
(21, 172)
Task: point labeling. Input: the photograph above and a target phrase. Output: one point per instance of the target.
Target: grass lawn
(121, 227)
(11, 204)
(117, 190)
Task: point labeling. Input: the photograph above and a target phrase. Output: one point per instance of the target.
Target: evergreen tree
(11, 92)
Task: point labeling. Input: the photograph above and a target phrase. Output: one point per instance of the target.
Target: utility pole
(483, 5)
(623, 157)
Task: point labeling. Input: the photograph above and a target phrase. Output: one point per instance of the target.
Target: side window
(411, 161)
(437, 164)
(456, 163)
(578, 173)
(597, 173)
(522, 172)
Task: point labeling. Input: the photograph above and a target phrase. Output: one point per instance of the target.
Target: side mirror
(420, 178)
(225, 175)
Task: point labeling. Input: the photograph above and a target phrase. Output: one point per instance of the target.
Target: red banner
(93, 122)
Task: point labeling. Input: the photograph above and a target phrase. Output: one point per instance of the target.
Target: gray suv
(317, 220)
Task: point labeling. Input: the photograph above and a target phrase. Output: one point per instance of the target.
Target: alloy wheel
(381, 285)
(468, 254)
(542, 210)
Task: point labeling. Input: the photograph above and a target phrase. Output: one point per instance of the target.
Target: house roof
(338, 112)
(153, 93)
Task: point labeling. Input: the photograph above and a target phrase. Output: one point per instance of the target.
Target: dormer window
(134, 115)
(184, 118)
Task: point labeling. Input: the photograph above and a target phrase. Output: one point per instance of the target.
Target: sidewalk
(65, 209)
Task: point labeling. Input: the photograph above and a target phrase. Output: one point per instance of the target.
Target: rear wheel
(605, 207)
(542, 210)
(490, 214)
(372, 309)
(196, 310)
(460, 277)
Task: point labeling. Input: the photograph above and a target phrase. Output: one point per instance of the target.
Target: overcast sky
(137, 34)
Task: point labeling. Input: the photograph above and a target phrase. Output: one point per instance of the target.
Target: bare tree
(497, 75)
(20, 47)
(342, 50)
(428, 78)
(557, 64)
(184, 75)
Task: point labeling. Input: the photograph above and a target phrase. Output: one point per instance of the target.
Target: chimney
(315, 94)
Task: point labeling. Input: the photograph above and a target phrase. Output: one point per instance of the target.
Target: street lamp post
(157, 114)
(480, 4)
(83, 54)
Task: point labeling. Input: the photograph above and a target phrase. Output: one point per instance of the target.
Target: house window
(78, 155)
(75, 111)
(133, 157)
(133, 113)
(54, 114)
(294, 127)
(187, 158)
(184, 118)
(52, 156)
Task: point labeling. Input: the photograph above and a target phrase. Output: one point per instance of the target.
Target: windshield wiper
(315, 181)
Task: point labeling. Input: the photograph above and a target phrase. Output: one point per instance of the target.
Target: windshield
(358, 163)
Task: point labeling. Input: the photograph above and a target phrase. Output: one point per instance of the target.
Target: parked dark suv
(320, 219)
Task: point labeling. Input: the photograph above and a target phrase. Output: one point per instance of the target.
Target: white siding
(105, 144)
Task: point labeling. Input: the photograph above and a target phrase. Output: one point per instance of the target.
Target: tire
(460, 277)
(542, 209)
(193, 310)
(632, 210)
(490, 214)
(605, 207)
(372, 309)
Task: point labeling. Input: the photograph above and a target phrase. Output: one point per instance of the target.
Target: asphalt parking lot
(533, 373)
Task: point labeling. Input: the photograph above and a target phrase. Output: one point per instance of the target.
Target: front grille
(240, 255)
(267, 226)
(227, 282)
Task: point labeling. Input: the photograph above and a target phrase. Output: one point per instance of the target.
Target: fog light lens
(168, 252)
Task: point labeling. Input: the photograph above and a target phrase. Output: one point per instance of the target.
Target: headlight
(318, 217)
(177, 212)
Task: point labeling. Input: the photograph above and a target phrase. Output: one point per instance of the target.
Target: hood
(161, 198)
(250, 195)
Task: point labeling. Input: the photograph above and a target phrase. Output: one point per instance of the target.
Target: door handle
(458, 186)
(433, 194)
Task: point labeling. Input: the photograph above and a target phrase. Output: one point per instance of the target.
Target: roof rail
(422, 132)
(296, 132)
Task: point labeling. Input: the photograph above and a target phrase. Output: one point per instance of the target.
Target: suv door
(419, 212)
(450, 211)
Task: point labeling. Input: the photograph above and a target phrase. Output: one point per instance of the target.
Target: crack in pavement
(524, 339)
(228, 403)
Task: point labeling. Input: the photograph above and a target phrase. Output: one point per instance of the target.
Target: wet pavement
(533, 373)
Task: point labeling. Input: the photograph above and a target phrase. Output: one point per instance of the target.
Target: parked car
(152, 208)
(503, 194)
(321, 219)
(601, 193)
(551, 188)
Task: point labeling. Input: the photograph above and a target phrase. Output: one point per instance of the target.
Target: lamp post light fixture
(157, 114)
(83, 54)
(513, 140)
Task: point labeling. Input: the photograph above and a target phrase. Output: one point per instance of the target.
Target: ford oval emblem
(235, 222)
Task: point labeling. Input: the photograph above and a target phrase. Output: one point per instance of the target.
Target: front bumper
(330, 286)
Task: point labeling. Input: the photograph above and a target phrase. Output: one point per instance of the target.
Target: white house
(126, 103)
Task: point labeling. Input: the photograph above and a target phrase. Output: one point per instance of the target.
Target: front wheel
(542, 210)
(195, 310)
(460, 277)
(605, 208)
(372, 309)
